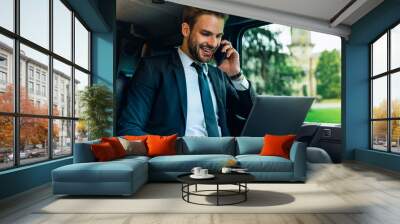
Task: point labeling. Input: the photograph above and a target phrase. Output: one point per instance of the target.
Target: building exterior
(300, 55)
(301, 49)
(5, 66)
(34, 80)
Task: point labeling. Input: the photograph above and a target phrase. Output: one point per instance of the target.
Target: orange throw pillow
(135, 138)
(103, 152)
(116, 145)
(277, 145)
(161, 145)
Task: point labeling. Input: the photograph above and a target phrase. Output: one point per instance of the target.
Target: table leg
(245, 193)
(217, 194)
(188, 189)
(182, 190)
(196, 188)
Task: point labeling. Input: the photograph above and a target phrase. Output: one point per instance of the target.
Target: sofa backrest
(249, 145)
(206, 145)
(190, 146)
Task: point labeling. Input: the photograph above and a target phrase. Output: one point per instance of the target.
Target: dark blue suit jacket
(156, 100)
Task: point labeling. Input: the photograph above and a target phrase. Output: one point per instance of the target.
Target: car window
(282, 60)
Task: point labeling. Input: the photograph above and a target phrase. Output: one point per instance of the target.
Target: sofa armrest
(83, 152)
(298, 157)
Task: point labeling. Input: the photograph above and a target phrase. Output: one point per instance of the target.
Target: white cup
(226, 170)
(196, 170)
(203, 172)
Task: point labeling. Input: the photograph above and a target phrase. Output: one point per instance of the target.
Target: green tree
(328, 74)
(266, 64)
(97, 103)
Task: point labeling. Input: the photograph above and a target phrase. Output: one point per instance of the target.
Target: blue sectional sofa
(125, 176)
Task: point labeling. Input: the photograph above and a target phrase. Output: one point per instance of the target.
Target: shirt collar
(187, 61)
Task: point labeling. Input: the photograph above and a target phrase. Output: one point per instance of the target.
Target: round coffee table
(238, 179)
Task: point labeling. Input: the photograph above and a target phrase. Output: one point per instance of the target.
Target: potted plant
(96, 102)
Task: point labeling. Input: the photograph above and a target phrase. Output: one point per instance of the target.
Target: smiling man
(181, 93)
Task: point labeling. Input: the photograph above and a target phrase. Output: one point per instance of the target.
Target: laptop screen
(277, 115)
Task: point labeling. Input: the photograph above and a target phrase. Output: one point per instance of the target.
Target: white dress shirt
(195, 122)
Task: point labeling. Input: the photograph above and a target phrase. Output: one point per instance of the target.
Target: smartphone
(219, 56)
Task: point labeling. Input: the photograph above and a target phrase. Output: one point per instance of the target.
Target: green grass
(324, 115)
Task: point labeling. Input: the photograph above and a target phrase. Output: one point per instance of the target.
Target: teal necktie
(206, 100)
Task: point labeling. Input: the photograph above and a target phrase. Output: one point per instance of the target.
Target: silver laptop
(278, 115)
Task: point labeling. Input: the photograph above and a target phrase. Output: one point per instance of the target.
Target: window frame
(16, 114)
(388, 74)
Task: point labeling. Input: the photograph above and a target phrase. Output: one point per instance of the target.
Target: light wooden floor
(378, 188)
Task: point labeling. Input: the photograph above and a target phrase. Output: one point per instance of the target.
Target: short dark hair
(190, 15)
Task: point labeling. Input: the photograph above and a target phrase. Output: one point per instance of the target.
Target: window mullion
(16, 72)
(16, 84)
(50, 81)
(389, 104)
(73, 83)
(371, 89)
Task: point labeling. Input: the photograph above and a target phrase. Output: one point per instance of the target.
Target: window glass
(395, 95)
(395, 47)
(34, 80)
(395, 135)
(62, 138)
(39, 61)
(62, 29)
(81, 82)
(7, 14)
(81, 131)
(35, 21)
(30, 87)
(379, 98)
(282, 60)
(81, 45)
(33, 139)
(62, 91)
(6, 74)
(379, 135)
(379, 56)
(6, 142)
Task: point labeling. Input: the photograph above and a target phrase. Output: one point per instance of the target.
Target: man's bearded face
(202, 52)
(205, 37)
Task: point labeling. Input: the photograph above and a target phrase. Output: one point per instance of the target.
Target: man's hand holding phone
(231, 63)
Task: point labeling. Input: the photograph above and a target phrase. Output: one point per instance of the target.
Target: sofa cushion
(116, 145)
(103, 152)
(249, 145)
(111, 171)
(134, 137)
(277, 145)
(185, 163)
(161, 145)
(257, 163)
(207, 145)
(131, 158)
(135, 147)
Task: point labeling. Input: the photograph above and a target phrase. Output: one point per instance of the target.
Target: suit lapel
(180, 81)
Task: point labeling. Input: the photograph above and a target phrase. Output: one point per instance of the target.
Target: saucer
(208, 176)
(240, 171)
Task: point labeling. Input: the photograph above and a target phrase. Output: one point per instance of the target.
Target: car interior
(158, 31)
(68, 65)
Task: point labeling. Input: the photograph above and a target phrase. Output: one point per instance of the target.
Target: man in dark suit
(180, 93)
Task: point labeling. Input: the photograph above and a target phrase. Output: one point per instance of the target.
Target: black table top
(220, 178)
